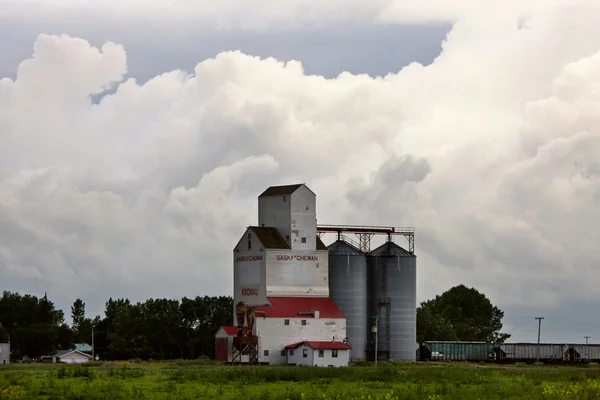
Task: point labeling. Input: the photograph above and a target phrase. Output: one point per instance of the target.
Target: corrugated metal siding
(459, 350)
(393, 296)
(587, 352)
(348, 289)
(520, 351)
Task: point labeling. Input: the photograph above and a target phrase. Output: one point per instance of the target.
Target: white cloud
(490, 152)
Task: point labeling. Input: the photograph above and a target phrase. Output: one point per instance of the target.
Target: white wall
(4, 353)
(249, 283)
(296, 356)
(303, 220)
(295, 216)
(297, 273)
(342, 359)
(275, 212)
(274, 335)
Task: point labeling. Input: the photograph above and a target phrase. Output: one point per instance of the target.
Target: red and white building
(318, 354)
(281, 270)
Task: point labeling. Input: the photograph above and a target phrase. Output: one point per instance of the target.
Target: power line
(560, 320)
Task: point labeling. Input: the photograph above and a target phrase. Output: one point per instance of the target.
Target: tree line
(154, 329)
(171, 329)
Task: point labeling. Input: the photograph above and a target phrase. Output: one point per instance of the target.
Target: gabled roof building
(281, 273)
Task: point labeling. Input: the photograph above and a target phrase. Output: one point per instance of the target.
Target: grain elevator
(293, 293)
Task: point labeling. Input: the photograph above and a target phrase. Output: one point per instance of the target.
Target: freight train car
(548, 353)
(456, 351)
(527, 352)
(584, 353)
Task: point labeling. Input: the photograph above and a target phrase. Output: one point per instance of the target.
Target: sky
(135, 139)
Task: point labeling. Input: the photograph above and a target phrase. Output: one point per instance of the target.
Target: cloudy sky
(135, 139)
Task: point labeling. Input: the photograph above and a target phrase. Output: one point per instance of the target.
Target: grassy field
(203, 380)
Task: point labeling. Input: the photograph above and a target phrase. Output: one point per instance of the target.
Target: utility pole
(586, 339)
(93, 348)
(374, 330)
(538, 344)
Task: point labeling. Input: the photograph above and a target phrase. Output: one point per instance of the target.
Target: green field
(203, 380)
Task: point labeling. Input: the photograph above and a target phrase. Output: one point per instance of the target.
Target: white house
(4, 353)
(295, 319)
(71, 357)
(319, 354)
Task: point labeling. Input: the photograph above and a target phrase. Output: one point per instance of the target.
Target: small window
(303, 240)
(284, 198)
(249, 244)
(266, 353)
(249, 236)
(291, 352)
(321, 353)
(287, 238)
(286, 322)
(3, 361)
(303, 322)
(283, 353)
(334, 353)
(305, 353)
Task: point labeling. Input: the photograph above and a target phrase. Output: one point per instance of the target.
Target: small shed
(4, 353)
(319, 354)
(224, 344)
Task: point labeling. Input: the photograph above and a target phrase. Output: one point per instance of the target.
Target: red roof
(294, 307)
(232, 330)
(320, 345)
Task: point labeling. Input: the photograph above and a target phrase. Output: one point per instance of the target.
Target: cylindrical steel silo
(348, 290)
(393, 297)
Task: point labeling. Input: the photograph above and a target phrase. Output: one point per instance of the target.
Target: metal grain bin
(393, 297)
(348, 290)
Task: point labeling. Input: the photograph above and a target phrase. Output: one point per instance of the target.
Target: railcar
(547, 353)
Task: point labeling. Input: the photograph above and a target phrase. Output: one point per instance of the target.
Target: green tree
(432, 326)
(77, 312)
(82, 326)
(4, 336)
(460, 313)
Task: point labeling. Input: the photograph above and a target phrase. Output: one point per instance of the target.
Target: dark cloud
(144, 192)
